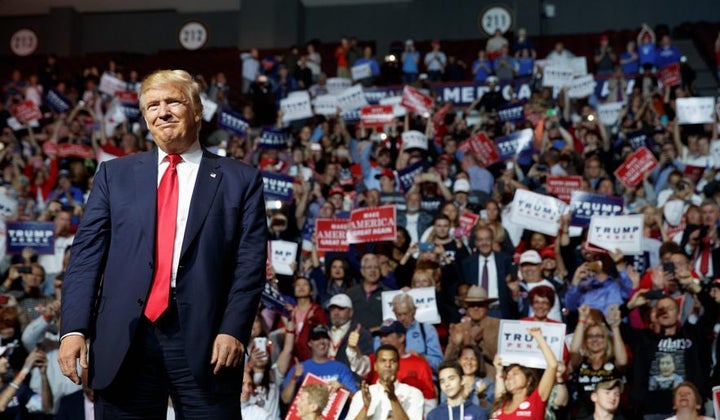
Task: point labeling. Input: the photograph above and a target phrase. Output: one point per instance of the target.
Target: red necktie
(705, 256)
(167, 204)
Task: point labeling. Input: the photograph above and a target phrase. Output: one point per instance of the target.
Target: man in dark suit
(500, 277)
(167, 269)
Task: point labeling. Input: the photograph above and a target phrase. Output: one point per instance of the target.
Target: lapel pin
(213, 174)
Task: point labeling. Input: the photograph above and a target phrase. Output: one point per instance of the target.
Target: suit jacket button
(140, 302)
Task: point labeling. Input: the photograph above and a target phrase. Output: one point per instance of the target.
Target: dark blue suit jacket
(220, 274)
(470, 273)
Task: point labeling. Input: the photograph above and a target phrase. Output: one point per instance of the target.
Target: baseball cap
(391, 326)
(336, 190)
(63, 173)
(530, 257)
(435, 42)
(341, 300)
(610, 384)
(547, 253)
(461, 185)
(492, 79)
(320, 331)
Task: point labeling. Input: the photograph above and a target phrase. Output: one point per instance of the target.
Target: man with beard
(342, 328)
(387, 398)
(414, 219)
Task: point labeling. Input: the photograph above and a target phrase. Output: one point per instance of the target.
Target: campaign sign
(425, 304)
(375, 95)
(274, 138)
(273, 299)
(407, 175)
(514, 143)
(609, 112)
(351, 116)
(40, 236)
(537, 212)
(416, 101)
(75, 150)
(282, 255)
(8, 207)
(466, 223)
(694, 172)
(578, 65)
(638, 139)
(585, 205)
(362, 71)
(631, 172)
(516, 345)
(336, 85)
(557, 76)
(351, 98)
(414, 139)
(394, 101)
(716, 400)
(377, 116)
(131, 111)
(483, 148)
(695, 110)
(331, 235)
(582, 87)
(563, 186)
(57, 101)
(277, 187)
(127, 97)
(26, 111)
(110, 84)
(325, 105)
(333, 408)
(209, 107)
(617, 232)
(670, 75)
(372, 224)
(232, 122)
(512, 112)
(296, 107)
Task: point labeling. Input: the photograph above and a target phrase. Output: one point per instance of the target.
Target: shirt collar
(192, 155)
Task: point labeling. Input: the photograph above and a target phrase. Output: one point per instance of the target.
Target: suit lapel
(146, 197)
(206, 185)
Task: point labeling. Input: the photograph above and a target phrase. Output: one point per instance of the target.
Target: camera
(24, 269)
(669, 267)
(654, 294)
(426, 247)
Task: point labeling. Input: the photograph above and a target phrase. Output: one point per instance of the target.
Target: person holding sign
(518, 393)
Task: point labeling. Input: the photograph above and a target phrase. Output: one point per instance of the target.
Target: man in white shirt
(387, 398)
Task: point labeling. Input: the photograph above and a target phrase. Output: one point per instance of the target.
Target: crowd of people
(641, 328)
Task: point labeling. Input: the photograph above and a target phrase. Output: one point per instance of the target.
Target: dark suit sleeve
(249, 277)
(87, 260)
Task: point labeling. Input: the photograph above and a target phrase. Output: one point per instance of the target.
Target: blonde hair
(317, 394)
(180, 79)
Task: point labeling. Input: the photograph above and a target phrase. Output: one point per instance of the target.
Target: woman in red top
(518, 393)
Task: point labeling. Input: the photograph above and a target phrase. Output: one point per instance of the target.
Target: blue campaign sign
(132, 111)
(274, 138)
(513, 112)
(407, 175)
(277, 187)
(57, 101)
(40, 236)
(639, 139)
(515, 143)
(373, 96)
(233, 122)
(585, 205)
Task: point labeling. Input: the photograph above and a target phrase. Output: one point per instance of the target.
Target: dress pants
(156, 367)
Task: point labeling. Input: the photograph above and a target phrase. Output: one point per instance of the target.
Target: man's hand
(72, 348)
(354, 338)
(366, 396)
(227, 351)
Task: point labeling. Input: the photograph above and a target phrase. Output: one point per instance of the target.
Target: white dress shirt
(492, 275)
(187, 171)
